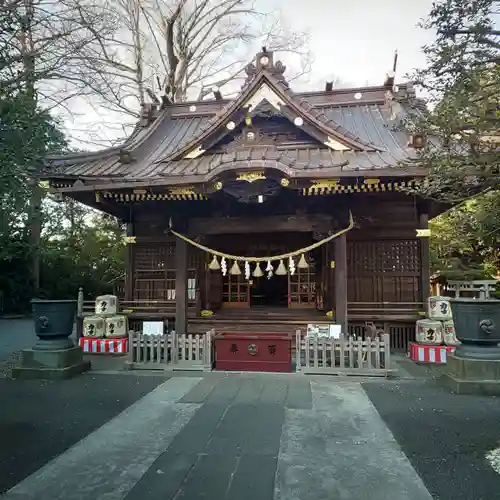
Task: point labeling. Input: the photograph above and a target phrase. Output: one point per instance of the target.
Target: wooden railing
(171, 351)
(386, 307)
(479, 289)
(349, 356)
(385, 313)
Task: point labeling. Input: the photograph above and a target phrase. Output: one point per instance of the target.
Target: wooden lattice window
(384, 271)
(154, 258)
(235, 291)
(154, 273)
(302, 287)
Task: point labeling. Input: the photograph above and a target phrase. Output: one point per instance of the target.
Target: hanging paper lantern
(223, 266)
(214, 265)
(281, 271)
(258, 271)
(235, 269)
(302, 263)
(247, 270)
(291, 266)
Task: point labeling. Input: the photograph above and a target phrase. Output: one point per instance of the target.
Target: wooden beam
(425, 272)
(181, 287)
(341, 282)
(271, 224)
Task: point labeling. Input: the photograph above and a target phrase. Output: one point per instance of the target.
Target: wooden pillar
(129, 265)
(425, 273)
(181, 287)
(341, 282)
(331, 276)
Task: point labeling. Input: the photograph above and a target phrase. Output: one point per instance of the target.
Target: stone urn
(477, 326)
(54, 321)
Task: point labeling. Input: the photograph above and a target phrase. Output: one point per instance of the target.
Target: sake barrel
(106, 305)
(93, 326)
(439, 308)
(429, 332)
(449, 333)
(116, 327)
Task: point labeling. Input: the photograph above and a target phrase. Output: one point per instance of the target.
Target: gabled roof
(267, 86)
(355, 132)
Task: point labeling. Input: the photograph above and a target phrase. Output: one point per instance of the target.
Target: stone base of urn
(472, 376)
(51, 364)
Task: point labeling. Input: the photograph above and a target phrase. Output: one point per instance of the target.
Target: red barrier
(264, 352)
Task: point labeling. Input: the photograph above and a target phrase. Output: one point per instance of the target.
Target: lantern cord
(241, 258)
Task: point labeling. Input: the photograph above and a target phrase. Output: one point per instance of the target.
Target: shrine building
(267, 211)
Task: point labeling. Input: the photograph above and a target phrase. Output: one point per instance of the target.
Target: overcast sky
(355, 39)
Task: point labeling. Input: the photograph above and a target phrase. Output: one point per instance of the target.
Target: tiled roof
(372, 123)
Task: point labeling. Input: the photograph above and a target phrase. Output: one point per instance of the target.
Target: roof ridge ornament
(264, 61)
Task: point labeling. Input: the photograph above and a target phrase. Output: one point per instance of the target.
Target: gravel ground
(446, 436)
(7, 365)
(39, 419)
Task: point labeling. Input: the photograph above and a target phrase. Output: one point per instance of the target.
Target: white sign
(152, 327)
(326, 330)
(335, 331)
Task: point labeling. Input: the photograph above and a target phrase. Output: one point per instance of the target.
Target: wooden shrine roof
(354, 132)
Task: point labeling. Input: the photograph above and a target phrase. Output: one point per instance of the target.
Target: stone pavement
(244, 436)
(235, 436)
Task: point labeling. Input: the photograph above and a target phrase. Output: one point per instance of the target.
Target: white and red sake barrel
(438, 308)
(429, 332)
(449, 335)
(116, 327)
(93, 326)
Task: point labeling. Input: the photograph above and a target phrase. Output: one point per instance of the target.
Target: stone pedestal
(472, 376)
(51, 364)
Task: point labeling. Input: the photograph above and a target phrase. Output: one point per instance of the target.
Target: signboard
(152, 327)
(324, 330)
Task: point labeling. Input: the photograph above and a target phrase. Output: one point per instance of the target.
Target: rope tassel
(302, 263)
(214, 265)
(258, 271)
(281, 271)
(235, 269)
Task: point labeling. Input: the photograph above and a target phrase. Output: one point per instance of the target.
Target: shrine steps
(257, 320)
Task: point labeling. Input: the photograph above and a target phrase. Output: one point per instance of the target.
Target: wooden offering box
(265, 352)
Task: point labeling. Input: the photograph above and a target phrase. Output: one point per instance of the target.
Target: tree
(42, 43)
(464, 242)
(462, 81)
(26, 135)
(81, 247)
(181, 49)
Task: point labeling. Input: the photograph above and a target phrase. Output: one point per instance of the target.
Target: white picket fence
(349, 356)
(171, 352)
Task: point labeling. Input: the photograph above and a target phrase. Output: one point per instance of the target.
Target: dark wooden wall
(384, 261)
(384, 256)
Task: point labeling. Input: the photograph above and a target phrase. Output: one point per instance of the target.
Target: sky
(353, 40)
